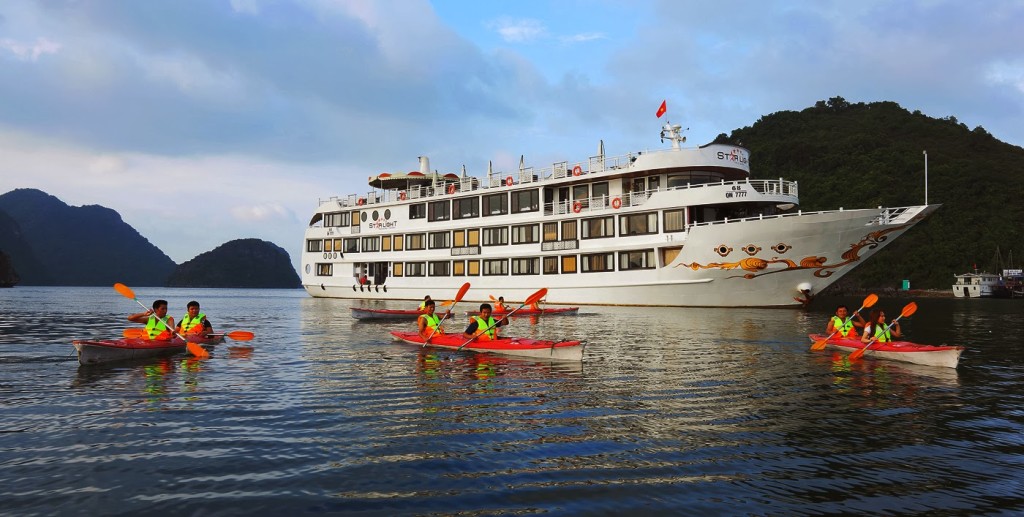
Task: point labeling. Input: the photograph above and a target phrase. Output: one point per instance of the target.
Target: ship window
(416, 241)
(466, 207)
(550, 232)
(526, 201)
(643, 259)
(337, 245)
(495, 204)
(385, 243)
(415, 269)
(569, 230)
(314, 245)
(397, 269)
(473, 267)
(569, 264)
(371, 244)
(550, 265)
(441, 268)
(580, 192)
(355, 218)
(599, 190)
(418, 211)
(495, 236)
(598, 227)
(351, 246)
(525, 234)
(652, 183)
(675, 220)
(638, 224)
(327, 245)
(473, 237)
(337, 219)
(459, 268)
(595, 262)
(439, 210)
(668, 255)
(459, 238)
(440, 240)
(324, 269)
(678, 181)
(495, 267)
(526, 266)
(398, 241)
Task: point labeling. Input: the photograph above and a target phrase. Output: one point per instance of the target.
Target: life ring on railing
(361, 201)
(577, 170)
(616, 203)
(577, 206)
(401, 196)
(451, 188)
(508, 181)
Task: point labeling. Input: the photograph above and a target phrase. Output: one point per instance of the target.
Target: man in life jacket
(158, 324)
(876, 328)
(428, 321)
(500, 306)
(483, 327)
(842, 326)
(194, 322)
(423, 304)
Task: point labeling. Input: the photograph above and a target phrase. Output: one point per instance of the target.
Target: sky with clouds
(204, 121)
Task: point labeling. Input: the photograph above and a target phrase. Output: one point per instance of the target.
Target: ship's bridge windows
(526, 201)
(415, 269)
(466, 207)
(637, 259)
(439, 268)
(525, 234)
(495, 267)
(526, 266)
(638, 224)
(416, 241)
(439, 210)
(371, 244)
(337, 219)
(314, 245)
(675, 220)
(495, 204)
(596, 262)
(598, 227)
(351, 246)
(418, 211)
(439, 240)
(325, 270)
(495, 236)
(694, 178)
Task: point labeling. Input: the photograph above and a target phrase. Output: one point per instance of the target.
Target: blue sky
(203, 121)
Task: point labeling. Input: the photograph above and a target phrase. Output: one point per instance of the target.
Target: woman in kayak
(876, 328)
(842, 325)
(428, 322)
(483, 327)
(158, 324)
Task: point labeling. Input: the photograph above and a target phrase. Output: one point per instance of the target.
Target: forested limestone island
(8, 276)
(250, 263)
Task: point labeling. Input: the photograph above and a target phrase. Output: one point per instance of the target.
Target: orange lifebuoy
(451, 188)
(401, 195)
(577, 170)
(616, 203)
(577, 206)
(360, 201)
(508, 181)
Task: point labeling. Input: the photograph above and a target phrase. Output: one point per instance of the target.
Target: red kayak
(947, 356)
(526, 311)
(97, 352)
(557, 350)
(363, 313)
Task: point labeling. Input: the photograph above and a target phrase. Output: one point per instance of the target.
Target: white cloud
(520, 30)
(583, 37)
(29, 51)
(262, 212)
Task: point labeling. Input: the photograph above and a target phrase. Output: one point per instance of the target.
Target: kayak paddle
(458, 298)
(193, 348)
(868, 302)
(909, 309)
(237, 335)
(531, 299)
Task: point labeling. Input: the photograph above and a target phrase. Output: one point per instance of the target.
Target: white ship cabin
(606, 213)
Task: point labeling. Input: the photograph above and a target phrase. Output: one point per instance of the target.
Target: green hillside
(864, 155)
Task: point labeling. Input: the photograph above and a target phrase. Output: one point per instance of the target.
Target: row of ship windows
(592, 228)
(564, 264)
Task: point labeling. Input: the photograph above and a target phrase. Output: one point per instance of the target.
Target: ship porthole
(751, 250)
(308, 269)
(723, 250)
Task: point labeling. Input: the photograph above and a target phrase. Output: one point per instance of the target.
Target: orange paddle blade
(870, 300)
(909, 309)
(447, 303)
(196, 350)
(124, 290)
(240, 335)
(462, 292)
(536, 296)
(856, 355)
(819, 345)
(132, 333)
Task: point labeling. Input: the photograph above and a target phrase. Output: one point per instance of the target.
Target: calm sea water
(673, 410)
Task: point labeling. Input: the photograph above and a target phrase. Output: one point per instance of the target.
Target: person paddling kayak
(876, 328)
(158, 323)
(428, 321)
(483, 327)
(194, 322)
(842, 325)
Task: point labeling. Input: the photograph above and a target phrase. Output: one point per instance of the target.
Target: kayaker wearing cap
(155, 328)
(842, 325)
(194, 322)
(876, 328)
(428, 321)
(483, 327)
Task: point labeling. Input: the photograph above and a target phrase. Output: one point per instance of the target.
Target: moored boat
(364, 313)
(526, 311)
(928, 355)
(107, 351)
(520, 347)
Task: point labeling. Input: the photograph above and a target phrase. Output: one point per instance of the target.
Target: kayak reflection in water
(483, 327)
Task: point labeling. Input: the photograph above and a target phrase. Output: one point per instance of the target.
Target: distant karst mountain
(252, 263)
(16, 250)
(86, 245)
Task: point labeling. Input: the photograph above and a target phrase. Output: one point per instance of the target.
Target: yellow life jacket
(157, 330)
(194, 325)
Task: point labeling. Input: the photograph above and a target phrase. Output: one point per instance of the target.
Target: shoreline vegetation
(891, 292)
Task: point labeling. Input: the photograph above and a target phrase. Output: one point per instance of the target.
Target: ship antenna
(674, 132)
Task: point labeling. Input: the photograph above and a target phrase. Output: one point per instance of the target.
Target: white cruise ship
(671, 227)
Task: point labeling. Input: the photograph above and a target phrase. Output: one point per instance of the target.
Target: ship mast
(673, 132)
